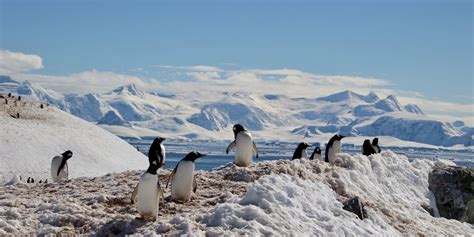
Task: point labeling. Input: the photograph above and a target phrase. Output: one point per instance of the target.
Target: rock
(355, 206)
(453, 188)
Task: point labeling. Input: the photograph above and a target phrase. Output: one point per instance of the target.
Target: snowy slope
(299, 198)
(27, 144)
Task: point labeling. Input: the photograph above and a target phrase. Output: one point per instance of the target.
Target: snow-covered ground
(282, 197)
(28, 143)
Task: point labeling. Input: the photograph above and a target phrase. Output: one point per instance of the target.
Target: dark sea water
(216, 157)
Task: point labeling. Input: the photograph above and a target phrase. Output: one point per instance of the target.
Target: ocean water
(216, 157)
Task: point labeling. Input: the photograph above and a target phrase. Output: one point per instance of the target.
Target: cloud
(14, 62)
(87, 82)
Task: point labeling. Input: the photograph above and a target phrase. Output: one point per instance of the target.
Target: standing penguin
(375, 145)
(183, 182)
(316, 154)
(367, 148)
(300, 151)
(59, 168)
(157, 152)
(244, 146)
(149, 192)
(332, 148)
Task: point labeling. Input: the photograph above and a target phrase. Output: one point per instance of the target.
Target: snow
(283, 197)
(271, 116)
(29, 143)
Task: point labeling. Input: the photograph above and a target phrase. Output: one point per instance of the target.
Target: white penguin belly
(163, 152)
(336, 148)
(55, 163)
(376, 149)
(182, 181)
(318, 157)
(148, 195)
(244, 149)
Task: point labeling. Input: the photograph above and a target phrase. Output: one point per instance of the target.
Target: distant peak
(130, 88)
(7, 79)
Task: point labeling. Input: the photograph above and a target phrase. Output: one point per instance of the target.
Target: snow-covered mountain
(270, 116)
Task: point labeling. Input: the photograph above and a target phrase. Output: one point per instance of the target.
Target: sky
(420, 50)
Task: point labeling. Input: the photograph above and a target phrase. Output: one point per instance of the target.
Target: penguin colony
(183, 181)
(148, 191)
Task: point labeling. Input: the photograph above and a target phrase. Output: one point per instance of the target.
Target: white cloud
(86, 82)
(14, 62)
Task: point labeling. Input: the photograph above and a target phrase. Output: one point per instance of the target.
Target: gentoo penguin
(375, 145)
(367, 148)
(244, 146)
(59, 168)
(157, 152)
(300, 151)
(183, 182)
(332, 148)
(149, 192)
(316, 154)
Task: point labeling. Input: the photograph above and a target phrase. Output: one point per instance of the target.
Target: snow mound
(283, 197)
(30, 142)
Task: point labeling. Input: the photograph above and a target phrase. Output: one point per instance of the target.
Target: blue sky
(422, 46)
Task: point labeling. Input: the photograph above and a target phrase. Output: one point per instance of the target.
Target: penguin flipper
(171, 175)
(255, 149)
(61, 166)
(230, 147)
(134, 194)
(194, 184)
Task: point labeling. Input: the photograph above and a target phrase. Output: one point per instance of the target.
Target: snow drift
(28, 143)
(283, 197)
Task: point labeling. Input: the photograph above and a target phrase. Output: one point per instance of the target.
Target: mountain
(268, 116)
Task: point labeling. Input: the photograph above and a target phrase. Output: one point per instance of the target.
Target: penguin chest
(303, 154)
(335, 148)
(318, 157)
(376, 149)
(182, 181)
(163, 152)
(244, 149)
(55, 163)
(148, 195)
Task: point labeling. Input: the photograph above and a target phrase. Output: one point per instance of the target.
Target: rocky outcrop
(453, 188)
(355, 206)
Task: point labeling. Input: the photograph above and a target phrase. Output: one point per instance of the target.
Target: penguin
(375, 145)
(316, 154)
(41, 106)
(157, 152)
(59, 168)
(28, 180)
(367, 148)
(332, 148)
(149, 191)
(183, 181)
(9, 95)
(244, 146)
(300, 151)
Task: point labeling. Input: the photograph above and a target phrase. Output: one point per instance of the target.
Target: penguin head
(192, 156)
(303, 145)
(238, 128)
(158, 140)
(366, 143)
(339, 137)
(67, 154)
(153, 167)
(317, 150)
(375, 141)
